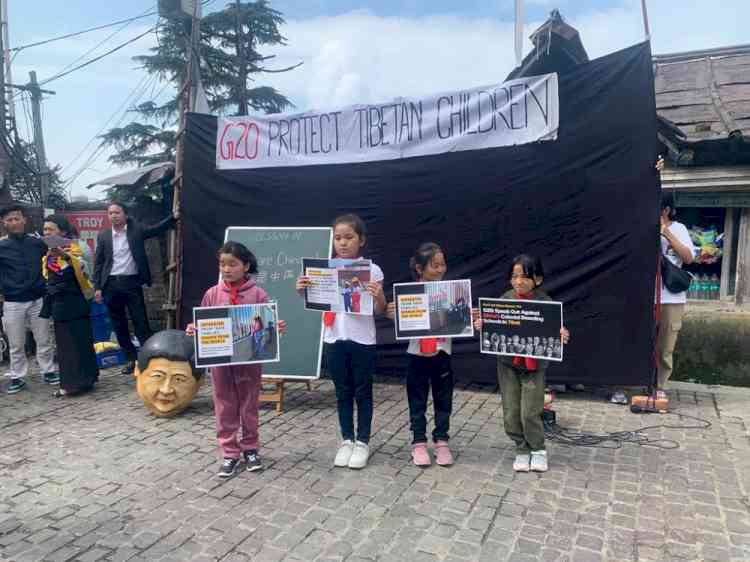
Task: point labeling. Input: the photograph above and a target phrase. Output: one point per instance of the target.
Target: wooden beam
(726, 261)
(742, 290)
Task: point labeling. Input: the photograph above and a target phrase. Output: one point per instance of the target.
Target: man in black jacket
(120, 271)
(23, 287)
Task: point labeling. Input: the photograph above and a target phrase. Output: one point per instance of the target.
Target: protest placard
(236, 335)
(521, 328)
(338, 285)
(434, 309)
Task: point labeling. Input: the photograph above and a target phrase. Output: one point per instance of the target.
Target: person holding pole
(120, 271)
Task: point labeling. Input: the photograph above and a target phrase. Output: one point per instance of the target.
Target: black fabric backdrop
(586, 203)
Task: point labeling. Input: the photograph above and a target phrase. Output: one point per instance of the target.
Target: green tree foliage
(22, 184)
(230, 62)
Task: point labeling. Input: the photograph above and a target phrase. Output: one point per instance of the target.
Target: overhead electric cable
(96, 59)
(77, 33)
(135, 94)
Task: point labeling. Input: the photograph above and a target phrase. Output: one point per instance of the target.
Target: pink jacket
(249, 293)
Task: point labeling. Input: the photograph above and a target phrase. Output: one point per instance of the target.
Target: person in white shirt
(677, 247)
(350, 349)
(120, 271)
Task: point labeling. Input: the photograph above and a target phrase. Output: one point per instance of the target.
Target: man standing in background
(23, 286)
(120, 271)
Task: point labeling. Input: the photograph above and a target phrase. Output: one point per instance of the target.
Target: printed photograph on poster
(338, 285)
(435, 309)
(522, 328)
(236, 335)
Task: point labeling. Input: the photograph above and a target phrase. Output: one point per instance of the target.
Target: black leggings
(351, 366)
(424, 372)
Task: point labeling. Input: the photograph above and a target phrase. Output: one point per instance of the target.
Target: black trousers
(351, 366)
(124, 295)
(423, 373)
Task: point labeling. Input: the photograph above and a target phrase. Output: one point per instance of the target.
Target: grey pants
(523, 404)
(16, 317)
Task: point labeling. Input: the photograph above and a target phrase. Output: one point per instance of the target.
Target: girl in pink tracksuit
(236, 388)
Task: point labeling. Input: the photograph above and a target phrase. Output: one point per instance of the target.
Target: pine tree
(230, 60)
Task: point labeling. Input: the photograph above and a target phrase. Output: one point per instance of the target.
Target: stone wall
(712, 347)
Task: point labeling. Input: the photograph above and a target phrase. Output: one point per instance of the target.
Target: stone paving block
(589, 506)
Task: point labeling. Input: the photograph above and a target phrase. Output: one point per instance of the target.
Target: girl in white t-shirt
(350, 349)
(429, 366)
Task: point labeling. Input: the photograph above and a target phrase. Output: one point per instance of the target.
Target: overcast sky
(354, 51)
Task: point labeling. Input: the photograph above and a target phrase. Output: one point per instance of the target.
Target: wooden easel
(276, 397)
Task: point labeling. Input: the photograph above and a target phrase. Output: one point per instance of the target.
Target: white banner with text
(516, 112)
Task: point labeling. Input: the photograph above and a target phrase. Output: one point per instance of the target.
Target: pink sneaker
(420, 455)
(443, 454)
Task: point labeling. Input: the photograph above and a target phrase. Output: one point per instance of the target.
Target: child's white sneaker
(539, 461)
(360, 455)
(521, 464)
(344, 453)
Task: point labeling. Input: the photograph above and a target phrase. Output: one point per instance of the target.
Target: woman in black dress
(66, 268)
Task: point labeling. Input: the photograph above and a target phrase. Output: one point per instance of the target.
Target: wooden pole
(41, 153)
(187, 100)
(742, 288)
(727, 258)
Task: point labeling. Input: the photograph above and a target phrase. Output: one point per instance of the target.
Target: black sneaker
(129, 368)
(252, 461)
(228, 466)
(51, 378)
(16, 386)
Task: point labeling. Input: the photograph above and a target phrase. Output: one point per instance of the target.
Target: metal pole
(41, 156)
(6, 56)
(519, 32)
(646, 28)
(242, 105)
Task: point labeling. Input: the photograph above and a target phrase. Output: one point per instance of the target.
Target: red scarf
(528, 362)
(329, 318)
(234, 291)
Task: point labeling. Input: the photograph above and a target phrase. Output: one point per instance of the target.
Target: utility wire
(77, 33)
(136, 96)
(100, 57)
(94, 48)
(133, 97)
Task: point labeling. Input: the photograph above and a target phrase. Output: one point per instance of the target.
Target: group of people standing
(42, 281)
(48, 283)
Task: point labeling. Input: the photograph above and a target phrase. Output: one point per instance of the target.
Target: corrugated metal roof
(706, 94)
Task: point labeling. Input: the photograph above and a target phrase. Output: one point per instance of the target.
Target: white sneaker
(539, 461)
(521, 464)
(360, 454)
(344, 453)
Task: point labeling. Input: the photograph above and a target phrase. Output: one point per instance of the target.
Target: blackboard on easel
(279, 251)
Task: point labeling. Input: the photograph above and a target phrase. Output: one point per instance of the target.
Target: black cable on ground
(615, 440)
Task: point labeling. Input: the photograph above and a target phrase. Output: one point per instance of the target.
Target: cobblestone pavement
(97, 478)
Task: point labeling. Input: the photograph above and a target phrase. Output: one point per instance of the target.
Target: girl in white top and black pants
(350, 350)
